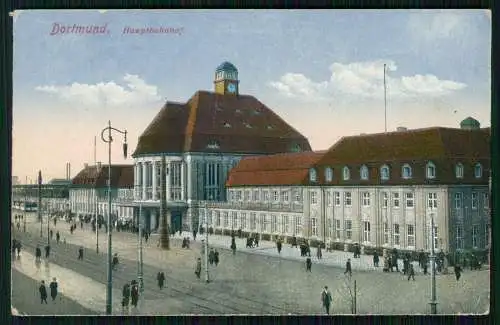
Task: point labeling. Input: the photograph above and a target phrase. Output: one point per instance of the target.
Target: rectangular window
(385, 199)
(298, 225)
(266, 196)
(458, 201)
(396, 234)
(286, 224)
(486, 200)
(366, 199)
(275, 196)
(432, 201)
(263, 223)
(395, 200)
(217, 218)
(234, 220)
(366, 231)
(337, 199)
(348, 229)
(347, 199)
(436, 236)
(386, 233)
(474, 200)
(460, 237)
(314, 227)
(475, 232)
(337, 228)
(329, 198)
(274, 223)
(253, 221)
(297, 196)
(410, 235)
(247, 196)
(285, 196)
(226, 219)
(314, 198)
(255, 195)
(409, 200)
(238, 195)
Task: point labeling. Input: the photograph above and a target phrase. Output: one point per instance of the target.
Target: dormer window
(406, 171)
(256, 112)
(384, 173)
(227, 125)
(295, 148)
(478, 170)
(248, 126)
(328, 174)
(346, 173)
(363, 173)
(313, 177)
(430, 170)
(459, 170)
(213, 145)
(270, 127)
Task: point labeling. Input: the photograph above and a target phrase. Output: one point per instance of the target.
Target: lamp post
(139, 262)
(39, 209)
(48, 225)
(433, 302)
(108, 140)
(207, 278)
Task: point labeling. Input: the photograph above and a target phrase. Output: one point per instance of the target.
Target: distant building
(378, 190)
(202, 140)
(89, 191)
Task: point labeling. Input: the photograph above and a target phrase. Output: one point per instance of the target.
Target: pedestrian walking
(425, 267)
(125, 295)
(233, 245)
(18, 225)
(81, 224)
(43, 292)
(278, 246)
(146, 237)
(458, 271)
(51, 234)
(326, 299)
(197, 270)
(47, 251)
(211, 256)
(14, 246)
(55, 221)
(161, 279)
(308, 264)
(375, 259)
(194, 234)
(53, 289)
(18, 247)
(80, 253)
(134, 293)
(58, 237)
(216, 258)
(348, 267)
(319, 254)
(38, 254)
(411, 272)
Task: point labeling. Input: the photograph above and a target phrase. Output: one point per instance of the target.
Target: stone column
(155, 194)
(189, 178)
(143, 183)
(183, 180)
(169, 187)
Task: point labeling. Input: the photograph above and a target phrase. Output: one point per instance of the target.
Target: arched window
(328, 174)
(384, 172)
(478, 170)
(406, 171)
(363, 172)
(459, 170)
(430, 170)
(313, 175)
(346, 173)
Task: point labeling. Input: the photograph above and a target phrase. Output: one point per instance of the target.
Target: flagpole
(385, 102)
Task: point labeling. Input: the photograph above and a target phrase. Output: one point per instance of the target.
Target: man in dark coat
(411, 272)
(319, 254)
(80, 253)
(197, 270)
(211, 256)
(58, 237)
(278, 246)
(51, 233)
(43, 292)
(134, 293)
(375, 259)
(233, 245)
(14, 246)
(47, 251)
(348, 267)
(53, 289)
(18, 247)
(458, 271)
(308, 264)
(326, 299)
(216, 258)
(38, 254)
(125, 295)
(194, 234)
(161, 279)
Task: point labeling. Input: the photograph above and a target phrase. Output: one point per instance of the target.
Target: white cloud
(364, 80)
(135, 91)
(433, 25)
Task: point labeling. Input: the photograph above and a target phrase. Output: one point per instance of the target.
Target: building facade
(379, 190)
(201, 141)
(88, 194)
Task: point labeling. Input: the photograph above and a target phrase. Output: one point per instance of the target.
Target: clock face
(231, 88)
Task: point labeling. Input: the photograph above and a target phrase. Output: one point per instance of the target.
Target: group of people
(53, 286)
(130, 292)
(18, 218)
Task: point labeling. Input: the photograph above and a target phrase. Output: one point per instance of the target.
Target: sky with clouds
(322, 71)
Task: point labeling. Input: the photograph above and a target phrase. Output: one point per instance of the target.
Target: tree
(349, 292)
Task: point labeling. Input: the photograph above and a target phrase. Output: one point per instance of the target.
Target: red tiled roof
(238, 124)
(280, 169)
(121, 176)
(445, 147)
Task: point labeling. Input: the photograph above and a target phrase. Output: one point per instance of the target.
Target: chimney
(401, 129)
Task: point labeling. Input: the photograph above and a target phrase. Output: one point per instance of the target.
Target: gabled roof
(122, 176)
(211, 122)
(280, 169)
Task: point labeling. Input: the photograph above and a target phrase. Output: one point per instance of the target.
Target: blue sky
(317, 69)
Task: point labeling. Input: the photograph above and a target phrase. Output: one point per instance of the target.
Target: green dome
(470, 123)
(226, 66)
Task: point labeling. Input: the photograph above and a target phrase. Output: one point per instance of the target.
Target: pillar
(144, 180)
(169, 171)
(189, 179)
(154, 168)
(183, 180)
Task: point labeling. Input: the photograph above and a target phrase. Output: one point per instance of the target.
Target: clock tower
(226, 79)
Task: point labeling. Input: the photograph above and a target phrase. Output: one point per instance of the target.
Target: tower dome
(226, 79)
(470, 124)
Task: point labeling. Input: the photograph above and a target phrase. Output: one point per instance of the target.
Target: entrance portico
(177, 215)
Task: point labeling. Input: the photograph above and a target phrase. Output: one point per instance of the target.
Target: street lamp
(139, 262)
(433, 301)
(40, 201)
(48, 225)
(108, 140)
(207, 278)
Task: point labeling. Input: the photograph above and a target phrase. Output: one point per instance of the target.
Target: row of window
(267, 196)
(406, 172)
